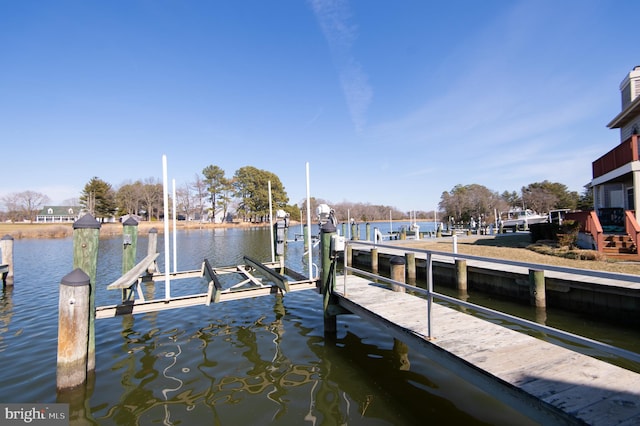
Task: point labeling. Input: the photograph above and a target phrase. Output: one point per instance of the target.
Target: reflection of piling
(401, 355)
(6, 247)
(397, 272)
(86, 234)
(73, 329)
(537, 288)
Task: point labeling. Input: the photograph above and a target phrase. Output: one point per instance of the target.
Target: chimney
(630, 87)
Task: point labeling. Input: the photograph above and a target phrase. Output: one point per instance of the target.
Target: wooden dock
(549, 383)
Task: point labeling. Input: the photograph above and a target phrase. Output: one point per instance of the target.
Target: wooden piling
(349, 254)
(73, 329)
(537, 288)
(344, 230)
(397, 272)
(327, 231)
(367, 231)
(410, 259)
(152, 248)
(374, 260)
(6, 247)
(354, 233)
(305, 236)
(461, 274)
(86, 234)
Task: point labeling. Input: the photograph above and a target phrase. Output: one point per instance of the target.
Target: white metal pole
(273, 254)
(310, 253)
(175, 249)
(165, 194)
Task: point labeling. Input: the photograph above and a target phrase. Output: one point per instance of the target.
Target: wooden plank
(246, 273)
(215, 286)
(140, 307)
(527, 372)
(131, 277)
(279, 279)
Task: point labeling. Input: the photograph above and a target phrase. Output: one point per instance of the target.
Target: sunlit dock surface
(545, 381)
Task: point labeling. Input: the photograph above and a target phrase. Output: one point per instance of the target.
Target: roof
(60, 211)
(627, 115)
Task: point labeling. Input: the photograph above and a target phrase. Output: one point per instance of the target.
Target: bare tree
(199, 188)
(26, 204)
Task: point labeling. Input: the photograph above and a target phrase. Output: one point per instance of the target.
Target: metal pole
(175, 250)
(165, 197)
(430, 293)
(310, 253)
(273, 254)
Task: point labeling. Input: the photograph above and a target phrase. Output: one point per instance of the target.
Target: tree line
(244, 197)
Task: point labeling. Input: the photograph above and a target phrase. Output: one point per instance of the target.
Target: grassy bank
(518, 247)
(64, 230)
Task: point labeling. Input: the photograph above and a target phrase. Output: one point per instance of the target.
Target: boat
(518, 218)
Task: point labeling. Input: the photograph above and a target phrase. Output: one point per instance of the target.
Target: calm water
(254, 361)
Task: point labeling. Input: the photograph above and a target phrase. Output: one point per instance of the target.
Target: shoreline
(20, 231)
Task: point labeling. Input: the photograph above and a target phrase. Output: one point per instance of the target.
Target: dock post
(6, 246)
(410, 259)
(344, 230)
(129, 249)
(403, 234)
(305, 237)
(86, 235)
(73, 329)
(461, 275)
(152, 247)
(327, 231)
(374, 260)
(397, 272)
(537, 288)
(354, 232)
(367, 231)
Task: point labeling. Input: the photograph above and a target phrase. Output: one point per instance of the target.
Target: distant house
(59, 214)
(613, 224)
(616, 175)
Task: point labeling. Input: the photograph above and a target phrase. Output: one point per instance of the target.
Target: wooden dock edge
(539, 409)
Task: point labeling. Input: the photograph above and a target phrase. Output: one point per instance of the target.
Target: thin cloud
(334, 19)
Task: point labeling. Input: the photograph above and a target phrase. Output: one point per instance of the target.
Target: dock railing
(432, 295)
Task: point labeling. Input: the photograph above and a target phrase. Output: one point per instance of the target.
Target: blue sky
(390, 102)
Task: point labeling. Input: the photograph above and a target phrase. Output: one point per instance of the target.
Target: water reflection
(255, 361)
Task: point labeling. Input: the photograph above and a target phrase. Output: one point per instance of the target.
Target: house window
(631, 205)
(70, 211)
(49, 210)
